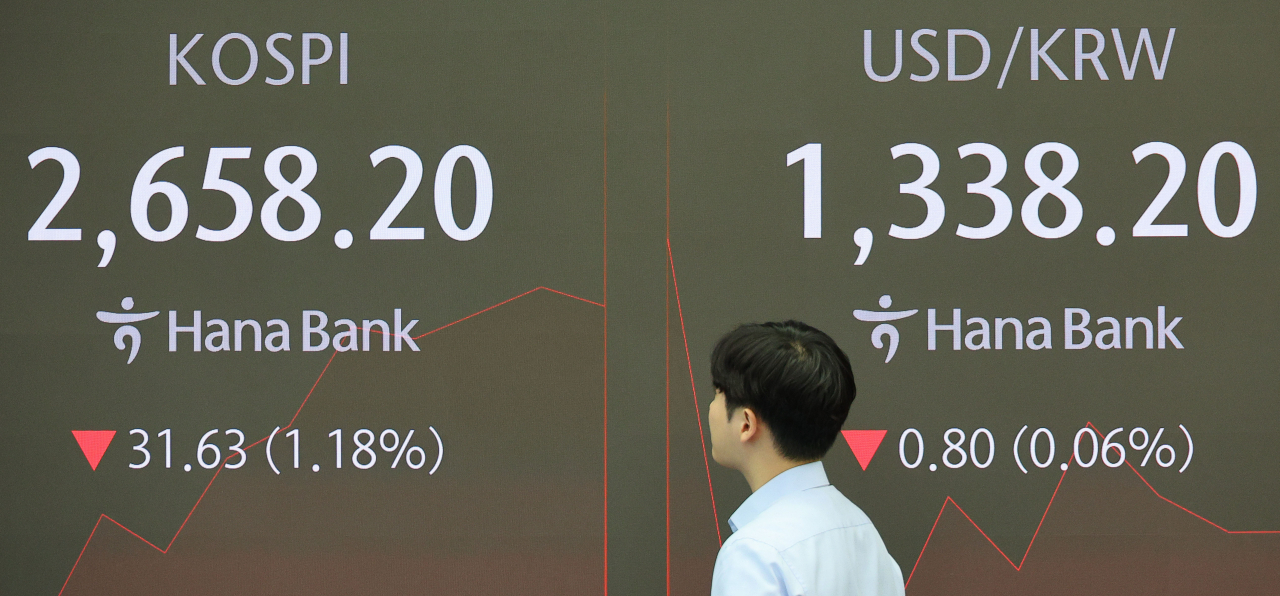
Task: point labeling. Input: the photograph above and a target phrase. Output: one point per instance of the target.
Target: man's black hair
(795, 378)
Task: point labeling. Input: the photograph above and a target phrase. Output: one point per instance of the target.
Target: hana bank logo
(1113, 333)
(127, 330)
(884, 329)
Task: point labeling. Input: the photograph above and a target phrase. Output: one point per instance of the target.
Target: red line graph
(516, 297)
(334, 354)
(948, 500)
(1018, 566)
(694, 386)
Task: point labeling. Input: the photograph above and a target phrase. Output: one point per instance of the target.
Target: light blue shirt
(797, 535)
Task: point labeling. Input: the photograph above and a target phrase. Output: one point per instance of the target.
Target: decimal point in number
(315, 467)
(342, 239)
(933, 467)
(186, 468)
(1106, 235)
(1063, 467)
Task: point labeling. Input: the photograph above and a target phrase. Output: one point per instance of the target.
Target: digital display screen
(418, 298)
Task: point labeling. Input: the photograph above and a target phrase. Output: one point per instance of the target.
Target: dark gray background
(576, 104)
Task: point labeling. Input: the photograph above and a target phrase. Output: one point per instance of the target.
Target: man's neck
(764, 469)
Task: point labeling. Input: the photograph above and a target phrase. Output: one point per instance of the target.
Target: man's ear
(750, 428)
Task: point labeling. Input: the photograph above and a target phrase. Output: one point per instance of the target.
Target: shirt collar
(794, 480)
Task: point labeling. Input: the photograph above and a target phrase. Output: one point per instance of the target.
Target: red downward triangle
(864, 444)
(94, 443)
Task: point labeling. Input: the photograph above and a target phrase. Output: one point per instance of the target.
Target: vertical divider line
(667, 348)
(605, 301)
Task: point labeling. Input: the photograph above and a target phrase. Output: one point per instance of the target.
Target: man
(783, 391)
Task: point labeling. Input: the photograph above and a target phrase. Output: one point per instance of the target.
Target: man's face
(724, 442)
